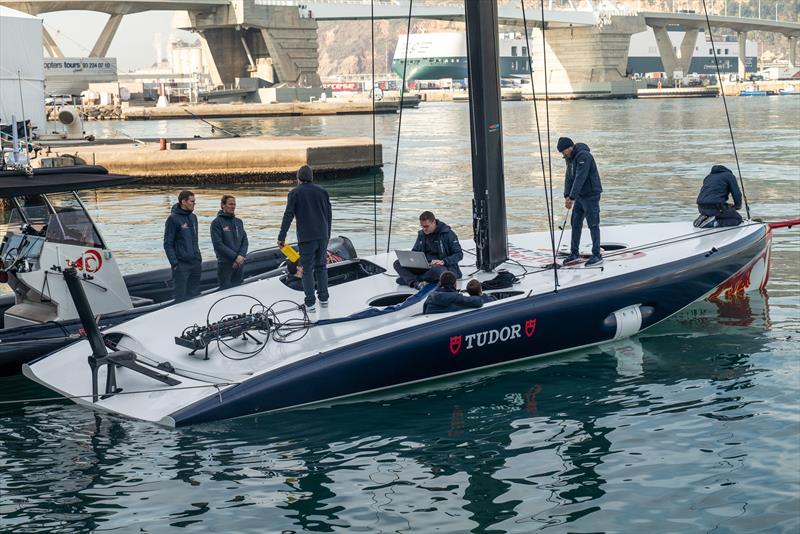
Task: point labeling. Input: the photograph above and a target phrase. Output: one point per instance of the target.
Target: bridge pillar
(50, 45)
(100, 48)
(793, 50)
(669, 58)
(237, 36)
(742, 38)
(585, 59)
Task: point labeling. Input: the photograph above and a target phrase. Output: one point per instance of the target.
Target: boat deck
(68, 373)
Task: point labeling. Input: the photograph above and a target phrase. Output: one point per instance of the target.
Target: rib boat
(257, 349)
(48, 225)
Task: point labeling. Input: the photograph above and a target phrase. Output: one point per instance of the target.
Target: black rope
(547, 200)
(374, 147)
(725, 103)
(547, 110)
(399, 124)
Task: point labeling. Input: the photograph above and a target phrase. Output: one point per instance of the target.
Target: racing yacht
(256, 349)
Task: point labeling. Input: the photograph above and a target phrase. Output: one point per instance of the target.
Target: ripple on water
(693, 426)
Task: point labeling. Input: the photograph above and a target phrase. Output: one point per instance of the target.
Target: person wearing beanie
(712, 202)
(311, 206)
(581, 194)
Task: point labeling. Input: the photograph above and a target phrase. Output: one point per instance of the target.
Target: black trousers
(315, 269)
(724, 214)
(586, 208)
(186, 280)
(227, 276)
(410, 276)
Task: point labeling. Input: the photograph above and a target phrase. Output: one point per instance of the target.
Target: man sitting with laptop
(436, 250)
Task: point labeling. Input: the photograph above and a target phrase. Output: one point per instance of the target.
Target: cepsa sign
(341, 86)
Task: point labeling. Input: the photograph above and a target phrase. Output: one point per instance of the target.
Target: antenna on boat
(725, 103)
(28, 169)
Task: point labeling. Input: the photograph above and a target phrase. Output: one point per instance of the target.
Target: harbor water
(691, 426)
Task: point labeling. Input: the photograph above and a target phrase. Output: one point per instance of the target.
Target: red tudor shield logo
(455, 344)
(530, 327)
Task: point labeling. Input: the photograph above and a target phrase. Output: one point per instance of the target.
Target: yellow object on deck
(290, 253)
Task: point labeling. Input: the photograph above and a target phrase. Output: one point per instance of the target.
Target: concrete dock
(331, 106)
(233, 160)
(679, 92)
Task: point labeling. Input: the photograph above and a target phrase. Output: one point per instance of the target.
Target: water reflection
(526, 444)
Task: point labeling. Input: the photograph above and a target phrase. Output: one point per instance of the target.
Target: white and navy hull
(638, 287)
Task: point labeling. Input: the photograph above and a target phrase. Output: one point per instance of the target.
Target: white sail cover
(21, 64)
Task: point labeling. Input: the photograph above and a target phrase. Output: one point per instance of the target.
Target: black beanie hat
(305, 174)
(564, 143)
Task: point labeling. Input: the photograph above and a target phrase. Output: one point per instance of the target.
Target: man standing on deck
(181, 246)
(712, 202)
(230, 244)
(311, 205)
(581, 194)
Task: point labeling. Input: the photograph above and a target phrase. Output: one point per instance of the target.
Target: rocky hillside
(345, 47)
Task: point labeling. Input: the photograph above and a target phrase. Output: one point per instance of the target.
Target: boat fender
(627, 321)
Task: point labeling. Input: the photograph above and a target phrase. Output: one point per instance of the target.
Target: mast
(489, 201)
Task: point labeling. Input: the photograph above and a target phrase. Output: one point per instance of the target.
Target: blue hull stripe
(542, 324)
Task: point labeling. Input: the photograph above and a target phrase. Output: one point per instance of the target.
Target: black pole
(489, 205)
(85, 312)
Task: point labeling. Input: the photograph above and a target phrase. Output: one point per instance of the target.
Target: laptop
(412, 259)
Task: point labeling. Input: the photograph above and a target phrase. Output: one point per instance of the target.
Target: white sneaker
(311, 309)
(323, 303)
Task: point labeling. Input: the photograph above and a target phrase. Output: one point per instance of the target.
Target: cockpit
(58, 217)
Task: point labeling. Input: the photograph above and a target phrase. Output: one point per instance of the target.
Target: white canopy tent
(21, 68)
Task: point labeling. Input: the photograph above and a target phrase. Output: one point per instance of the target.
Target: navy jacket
(443, 245)
(582, 178)
(717, 186)
(311, 205)
(180, 237)
(446, 299)
(228, 237)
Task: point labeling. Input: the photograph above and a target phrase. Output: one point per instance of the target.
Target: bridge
(278, 38)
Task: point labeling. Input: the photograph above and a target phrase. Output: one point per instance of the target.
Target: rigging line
(399, 124)
(547, 199)
(676, 239)
(547, 111)
(725, 103)
(374, 147)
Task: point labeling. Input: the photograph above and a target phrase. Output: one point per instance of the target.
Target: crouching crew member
(230, 244)
(446, 298)
(181, 246)
(712, 202)
(582, 194)
(294, 275)
(474, 289)
(441, 247)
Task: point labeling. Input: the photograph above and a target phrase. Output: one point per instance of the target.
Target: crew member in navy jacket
(181, 246)
(713, 199)
(581, 193)
(230, 244)
(441, 247)
(311, 206)
(446, 298)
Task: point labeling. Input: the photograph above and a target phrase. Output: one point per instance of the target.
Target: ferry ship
(434, 56)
